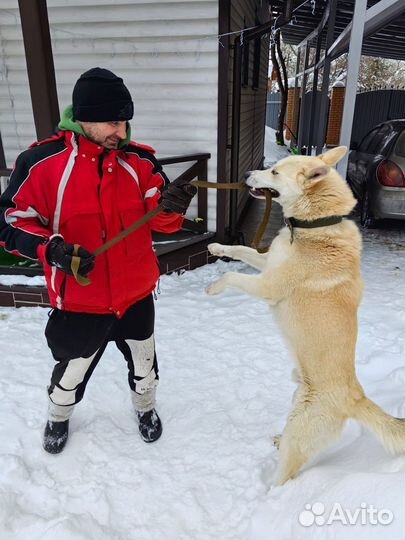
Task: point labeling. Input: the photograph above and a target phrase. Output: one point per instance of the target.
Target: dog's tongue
(260, 193)
(257, 193)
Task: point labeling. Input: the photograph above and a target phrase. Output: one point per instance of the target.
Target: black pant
(78, 340)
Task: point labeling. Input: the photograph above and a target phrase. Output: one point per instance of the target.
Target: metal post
(303, 88)
(294, 127)
(324, 104)
(314, 93)
(236, 102)
(203, 194)
(353, 65)
(41, 72)
(222, 143)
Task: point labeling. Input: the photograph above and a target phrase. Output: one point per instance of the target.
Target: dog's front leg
(242, 253)
(252, 285)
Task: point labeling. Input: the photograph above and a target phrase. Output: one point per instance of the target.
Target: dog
(311, 277)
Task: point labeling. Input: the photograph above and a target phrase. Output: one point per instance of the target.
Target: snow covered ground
(273, 151)
(225, 389)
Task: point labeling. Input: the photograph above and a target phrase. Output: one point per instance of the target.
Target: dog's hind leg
(309, 429)
(295, 377)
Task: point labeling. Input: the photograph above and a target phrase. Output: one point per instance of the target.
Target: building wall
(246, 14)
(166, 52)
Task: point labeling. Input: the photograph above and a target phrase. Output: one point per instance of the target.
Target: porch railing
(4, 175)
(198, 170)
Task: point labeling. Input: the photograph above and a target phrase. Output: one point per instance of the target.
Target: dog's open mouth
(260, 193)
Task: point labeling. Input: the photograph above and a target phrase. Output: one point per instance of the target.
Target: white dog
(311, 277)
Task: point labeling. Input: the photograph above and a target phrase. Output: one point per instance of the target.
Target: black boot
(150, 426)
(55, 436)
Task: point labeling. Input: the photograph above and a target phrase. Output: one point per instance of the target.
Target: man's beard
(111, 144)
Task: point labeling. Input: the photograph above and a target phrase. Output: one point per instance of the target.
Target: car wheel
(366, 219)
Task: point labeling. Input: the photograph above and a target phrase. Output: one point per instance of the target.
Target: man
(84, 186)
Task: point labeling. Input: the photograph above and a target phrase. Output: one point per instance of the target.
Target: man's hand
(59, 254)
(177, 197)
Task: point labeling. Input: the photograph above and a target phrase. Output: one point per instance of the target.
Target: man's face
(107, 134)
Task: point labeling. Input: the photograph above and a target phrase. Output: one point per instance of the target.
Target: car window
(365, 143)
(388, 141)
(400, 146)
(379, 140)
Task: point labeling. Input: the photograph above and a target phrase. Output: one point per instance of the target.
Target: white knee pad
(64, 393)
(143, 354)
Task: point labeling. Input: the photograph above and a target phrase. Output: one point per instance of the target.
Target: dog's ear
(316, 174)
(332, 156)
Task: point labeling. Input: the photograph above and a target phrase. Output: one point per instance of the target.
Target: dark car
(376, 173)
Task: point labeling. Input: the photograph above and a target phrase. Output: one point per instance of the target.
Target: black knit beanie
(101, 96)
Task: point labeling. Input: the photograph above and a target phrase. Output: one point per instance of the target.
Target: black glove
(177, 197)
(59, 254)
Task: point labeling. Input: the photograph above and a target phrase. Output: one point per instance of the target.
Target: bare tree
(374, 72)
(380, 73)
(280, 69)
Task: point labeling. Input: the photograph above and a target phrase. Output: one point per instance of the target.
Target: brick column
(290, 112)
(335, 114)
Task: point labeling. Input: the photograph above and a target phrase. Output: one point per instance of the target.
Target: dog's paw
(276, 441)
(216, 249)
(216, 287)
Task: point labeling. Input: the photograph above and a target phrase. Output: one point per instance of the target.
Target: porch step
(167, 243)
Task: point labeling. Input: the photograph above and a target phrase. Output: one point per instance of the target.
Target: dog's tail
(390, 431)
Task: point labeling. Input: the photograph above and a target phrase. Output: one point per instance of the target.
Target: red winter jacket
(70, 186)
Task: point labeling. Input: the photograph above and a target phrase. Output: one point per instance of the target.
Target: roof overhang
(384, 33)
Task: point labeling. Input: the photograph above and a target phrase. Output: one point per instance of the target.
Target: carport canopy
(384, 29)
(359, 27)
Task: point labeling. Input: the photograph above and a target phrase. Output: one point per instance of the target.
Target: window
(400, 146)
(378, 141)
(365, 143)
(387, 142)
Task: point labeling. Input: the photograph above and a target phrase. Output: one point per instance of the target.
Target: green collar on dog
(293, 223)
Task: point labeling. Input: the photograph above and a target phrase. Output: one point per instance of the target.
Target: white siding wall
(159, 48)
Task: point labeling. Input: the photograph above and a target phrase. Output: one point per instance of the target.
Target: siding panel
(165, 51)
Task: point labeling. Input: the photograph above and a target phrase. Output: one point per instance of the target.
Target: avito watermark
(365, 514)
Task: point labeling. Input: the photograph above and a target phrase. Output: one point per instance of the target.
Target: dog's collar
(293, 223)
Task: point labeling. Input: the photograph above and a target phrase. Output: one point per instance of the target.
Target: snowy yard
(225, 389)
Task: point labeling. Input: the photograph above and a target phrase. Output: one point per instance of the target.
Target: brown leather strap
(132, 228)
(262, 227)
(240, 185)
(74, 266)
(219, 185)
(150, 215)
